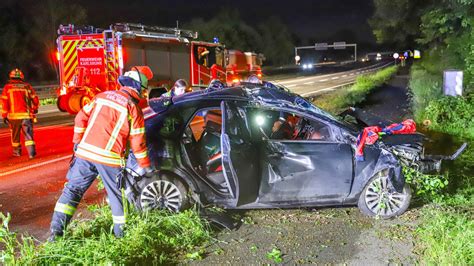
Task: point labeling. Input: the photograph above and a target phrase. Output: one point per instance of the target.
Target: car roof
(267, 95)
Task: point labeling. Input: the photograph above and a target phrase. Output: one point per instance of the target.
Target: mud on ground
(308, 236)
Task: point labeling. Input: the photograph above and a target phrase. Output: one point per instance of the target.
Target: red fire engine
(90, 59)
(241, 65)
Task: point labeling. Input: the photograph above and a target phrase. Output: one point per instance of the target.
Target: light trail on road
(317, 84)
(35, 165)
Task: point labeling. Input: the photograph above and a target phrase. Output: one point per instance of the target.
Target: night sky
(309, 20)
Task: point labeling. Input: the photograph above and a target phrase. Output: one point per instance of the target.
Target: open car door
(239, 158)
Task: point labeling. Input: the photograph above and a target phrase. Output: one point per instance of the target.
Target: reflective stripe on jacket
(105, 125)
(19, 100)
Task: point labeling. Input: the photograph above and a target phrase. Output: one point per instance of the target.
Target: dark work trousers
(80, 176)
(25, 126)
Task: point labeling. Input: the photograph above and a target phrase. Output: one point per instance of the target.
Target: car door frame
(239, 163)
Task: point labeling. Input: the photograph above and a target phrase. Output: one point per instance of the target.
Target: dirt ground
(309, 236)
(328, 235)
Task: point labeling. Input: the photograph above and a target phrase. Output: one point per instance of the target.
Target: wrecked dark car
(255, 146)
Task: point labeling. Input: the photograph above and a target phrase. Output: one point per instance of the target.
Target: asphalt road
(29, 188)
(317, 84)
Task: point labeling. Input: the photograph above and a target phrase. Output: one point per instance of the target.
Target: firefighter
(180, 87)
(102, 131)
(19, 108)
(216, 84)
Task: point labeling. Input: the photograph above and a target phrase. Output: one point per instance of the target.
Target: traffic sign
(417, 54)
(339, 45)
(321, 46)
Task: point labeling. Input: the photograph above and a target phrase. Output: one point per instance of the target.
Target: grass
(151, 238)
(446, 229)
(350, 96)
(48, 101)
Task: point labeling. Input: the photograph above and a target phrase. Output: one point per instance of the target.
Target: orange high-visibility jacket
(19, 100)
(103, 127)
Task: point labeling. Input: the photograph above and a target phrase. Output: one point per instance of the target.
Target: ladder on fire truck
(154, 30)
(111, 64)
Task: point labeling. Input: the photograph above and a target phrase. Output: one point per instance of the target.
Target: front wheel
(165, 193)
(378, 199)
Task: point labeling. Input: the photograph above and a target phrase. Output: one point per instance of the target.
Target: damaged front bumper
(411, 157)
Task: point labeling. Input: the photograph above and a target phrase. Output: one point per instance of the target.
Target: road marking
(35, 165)
(291, 81)
(323, 80)
(327, 89)
(308, 83)
(335, 78)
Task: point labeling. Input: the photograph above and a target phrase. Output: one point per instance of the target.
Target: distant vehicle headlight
(305, 66)
(310, 66)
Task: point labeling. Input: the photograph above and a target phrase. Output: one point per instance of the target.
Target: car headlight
(305, 66)
(310, 66)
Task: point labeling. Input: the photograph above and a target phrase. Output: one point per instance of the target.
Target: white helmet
(135, 75)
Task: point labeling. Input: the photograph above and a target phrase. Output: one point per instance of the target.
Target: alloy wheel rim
(161, 194)
(381, 200)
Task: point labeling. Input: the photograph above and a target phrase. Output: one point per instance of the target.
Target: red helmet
(16, 74)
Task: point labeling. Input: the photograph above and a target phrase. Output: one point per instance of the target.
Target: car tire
(164, 192)
(378, 200)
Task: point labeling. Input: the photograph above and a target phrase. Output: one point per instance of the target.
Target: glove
(6, 121)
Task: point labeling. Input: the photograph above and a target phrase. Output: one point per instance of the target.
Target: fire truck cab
(90, 60)
(241, 65)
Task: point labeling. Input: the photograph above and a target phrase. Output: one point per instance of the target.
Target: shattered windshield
(280, 95)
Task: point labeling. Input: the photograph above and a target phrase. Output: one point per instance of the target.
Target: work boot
(32, 156)
(16, 155)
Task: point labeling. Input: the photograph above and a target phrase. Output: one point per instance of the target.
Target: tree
(270, 37)
(28, 34)
(397, 22)
(277, 43)
(229, 28)
(14, 38)
(447, 28)
(45, 22)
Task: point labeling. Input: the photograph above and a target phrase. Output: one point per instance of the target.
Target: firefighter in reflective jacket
(102, 131)
(19, 107)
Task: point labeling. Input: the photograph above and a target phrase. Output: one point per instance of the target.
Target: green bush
(48, 101)
(453, 115)
(151, 238)
(427, 187)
